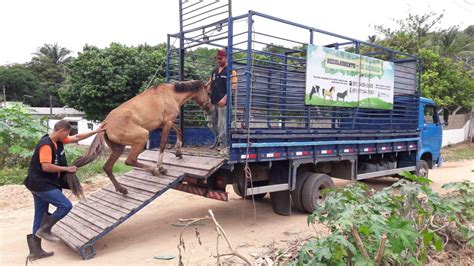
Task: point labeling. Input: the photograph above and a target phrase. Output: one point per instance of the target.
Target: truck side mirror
(446, 116)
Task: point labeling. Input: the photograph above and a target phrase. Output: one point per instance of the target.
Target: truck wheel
(311, 195)
(422, 169)
(239, 190)
(296, 194)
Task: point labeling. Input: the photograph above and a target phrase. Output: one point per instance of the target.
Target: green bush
(19, 133)
(12, 175)
(401, 224)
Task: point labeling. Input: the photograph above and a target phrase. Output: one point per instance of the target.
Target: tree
(446, 57)
(49, 63)
(21, 84)
(101, 79)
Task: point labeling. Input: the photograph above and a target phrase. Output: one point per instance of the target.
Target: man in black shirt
(219, 98)
(46, 179)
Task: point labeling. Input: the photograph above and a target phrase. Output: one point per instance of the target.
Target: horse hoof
(179, 155)
(122, 190)
(155, 172)
(163, 170)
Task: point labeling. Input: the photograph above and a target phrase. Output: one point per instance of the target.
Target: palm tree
(58, 55)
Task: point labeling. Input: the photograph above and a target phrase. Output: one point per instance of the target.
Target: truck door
(431, 134)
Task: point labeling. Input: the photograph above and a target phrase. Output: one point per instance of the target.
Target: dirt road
(150, 232)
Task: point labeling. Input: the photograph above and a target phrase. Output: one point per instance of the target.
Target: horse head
(202, 97)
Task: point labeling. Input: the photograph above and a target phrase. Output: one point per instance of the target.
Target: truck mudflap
(202, 191)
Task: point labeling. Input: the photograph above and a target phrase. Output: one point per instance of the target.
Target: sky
(26, 25)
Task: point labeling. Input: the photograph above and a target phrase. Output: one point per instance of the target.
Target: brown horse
(131, 122)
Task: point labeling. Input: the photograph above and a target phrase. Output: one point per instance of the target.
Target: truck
(310, 106)
(291, 124)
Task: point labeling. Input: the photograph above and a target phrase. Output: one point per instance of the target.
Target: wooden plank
(149, 179)
(89, 210)
(139, 191)
(92, 217)
(80, 228)
(97, 230)
(102, 209)
(202, 163)
(130, 194)
(67, 238)
(132, 183)
(122, 196)
(180, 169)
(110, 203)
(119, 201)
(138, 194)
(69, 231)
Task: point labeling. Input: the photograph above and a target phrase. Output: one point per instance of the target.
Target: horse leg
(139, 137)
(179, 140)
(117, 150)
(164, 138)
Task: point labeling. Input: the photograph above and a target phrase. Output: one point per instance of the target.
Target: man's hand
(101, 128)
(223, 101)
(71, 169)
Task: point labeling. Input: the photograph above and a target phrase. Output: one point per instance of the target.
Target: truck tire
(239, 190)
(422, 169)
(311, 193)
(296, 194)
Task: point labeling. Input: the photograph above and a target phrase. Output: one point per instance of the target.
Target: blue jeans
(43, 199)
(218, 123)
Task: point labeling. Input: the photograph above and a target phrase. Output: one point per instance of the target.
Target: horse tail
(97, 147)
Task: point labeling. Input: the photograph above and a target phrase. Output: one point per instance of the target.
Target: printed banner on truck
(337, 78)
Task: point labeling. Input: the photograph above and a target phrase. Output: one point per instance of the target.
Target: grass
(458, 152)
(16, 175)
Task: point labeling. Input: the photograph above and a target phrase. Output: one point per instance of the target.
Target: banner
(337, 78)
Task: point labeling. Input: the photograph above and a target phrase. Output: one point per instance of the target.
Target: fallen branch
(220, 232)
(378, 256)
(181, 240)
(359, 243)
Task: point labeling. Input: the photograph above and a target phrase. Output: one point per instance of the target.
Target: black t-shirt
(39, 180)
(218, 84)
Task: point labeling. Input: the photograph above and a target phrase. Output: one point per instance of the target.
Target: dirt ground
(151, 233)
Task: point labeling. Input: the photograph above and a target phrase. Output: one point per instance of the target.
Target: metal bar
(202, 7)
(266, 189)
(248, 73)
(205, 12)
(168, 58)
(319, 143)
(385, 172)
(326, 32)
(229, 88)
(279, 38)
(210, 16)
(186, 7)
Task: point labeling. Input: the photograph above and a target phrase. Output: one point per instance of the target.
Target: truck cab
(431, 131)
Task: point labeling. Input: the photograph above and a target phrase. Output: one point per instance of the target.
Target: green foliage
(19, 81)
(446, 56)
(19, 133)
(412, 218)
(12, 175)
(463, 193)
(101, 79)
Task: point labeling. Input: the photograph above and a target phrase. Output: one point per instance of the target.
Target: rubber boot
(44, 231)
(36, 252)
(214, 145)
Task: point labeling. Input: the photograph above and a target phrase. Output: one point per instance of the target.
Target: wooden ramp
(102, 211)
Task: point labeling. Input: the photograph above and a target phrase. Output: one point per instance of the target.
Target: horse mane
(188, 86)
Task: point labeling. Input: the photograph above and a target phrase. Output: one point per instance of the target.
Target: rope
(247, 170)
(161, 64)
